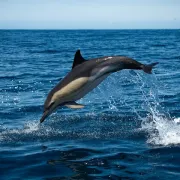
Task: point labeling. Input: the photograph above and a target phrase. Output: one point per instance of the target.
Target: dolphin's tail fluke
(148, 68)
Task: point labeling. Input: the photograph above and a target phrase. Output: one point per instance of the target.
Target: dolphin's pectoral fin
(74, 105)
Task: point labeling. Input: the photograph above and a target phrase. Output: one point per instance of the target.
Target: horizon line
(90, 29)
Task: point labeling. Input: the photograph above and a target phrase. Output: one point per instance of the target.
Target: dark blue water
(129, 128)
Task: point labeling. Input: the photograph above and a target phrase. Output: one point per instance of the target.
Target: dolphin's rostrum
(85, 76)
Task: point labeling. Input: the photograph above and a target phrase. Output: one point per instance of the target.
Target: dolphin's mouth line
(45, 114)
(49, 107)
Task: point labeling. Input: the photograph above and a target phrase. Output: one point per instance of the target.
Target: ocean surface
(130, 126)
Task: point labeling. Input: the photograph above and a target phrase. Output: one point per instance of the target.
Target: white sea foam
(31, 130)
(31, 127)
(177, 120)
(161, 130)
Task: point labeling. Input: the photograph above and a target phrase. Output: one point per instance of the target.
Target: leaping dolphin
(84, 77)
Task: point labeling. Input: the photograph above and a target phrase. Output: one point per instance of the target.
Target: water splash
(31, 127)
(162, 129)
(31, 131)
(86, 126)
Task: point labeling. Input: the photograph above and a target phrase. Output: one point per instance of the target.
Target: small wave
(70, 127)
(159, 45)
(48, 51)
(32, 131)
(176, 57)
(15, 76)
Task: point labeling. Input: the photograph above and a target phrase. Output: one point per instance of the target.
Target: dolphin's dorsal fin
(78, 59)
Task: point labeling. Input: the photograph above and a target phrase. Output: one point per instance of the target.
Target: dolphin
(84, 77)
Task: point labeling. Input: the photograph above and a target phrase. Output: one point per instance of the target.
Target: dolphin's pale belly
(91, 84)
(78, 88)
(67, 93)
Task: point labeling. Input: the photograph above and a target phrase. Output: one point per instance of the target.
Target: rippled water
(129, 128)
